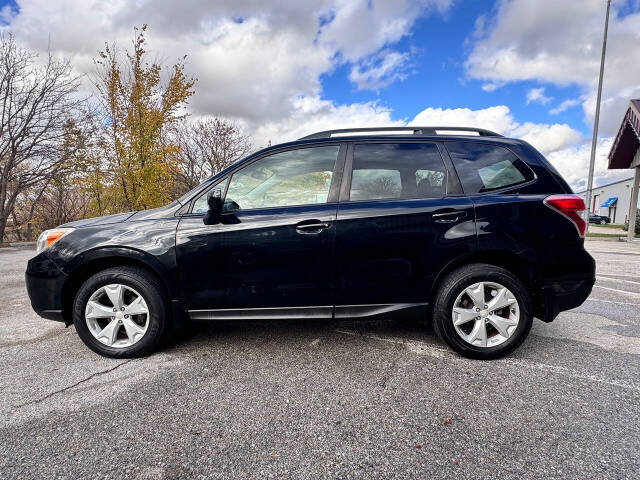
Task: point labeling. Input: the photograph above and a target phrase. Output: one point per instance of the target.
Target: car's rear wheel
(602, 221)
(120, 312)
(482, 311)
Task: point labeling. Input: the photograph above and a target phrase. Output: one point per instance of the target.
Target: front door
(398, 224)
(272, 253)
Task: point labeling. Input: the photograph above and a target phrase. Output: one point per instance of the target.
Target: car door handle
(311, 226)
(448, 216)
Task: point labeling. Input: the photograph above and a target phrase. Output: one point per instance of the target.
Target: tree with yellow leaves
(139, 104)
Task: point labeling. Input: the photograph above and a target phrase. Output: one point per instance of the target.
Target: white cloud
(492, 86)
(253, 60)
(498, 119)
(547, 138)
(573, 163)
(360, 28)
(536, 95)
(315, 115)
(380, 70)
(560, 43)
(563, 106)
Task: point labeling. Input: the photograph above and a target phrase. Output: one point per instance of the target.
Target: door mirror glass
(201, 204)
(214, 200)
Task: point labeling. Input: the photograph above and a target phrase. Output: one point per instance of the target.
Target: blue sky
(284, 69)
(437, 76)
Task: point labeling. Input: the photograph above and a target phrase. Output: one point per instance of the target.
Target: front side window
(484, 167)
(294, 177)
(397, 170)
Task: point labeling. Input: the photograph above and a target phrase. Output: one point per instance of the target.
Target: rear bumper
(563, 295)
(44, 285)
(565, 292)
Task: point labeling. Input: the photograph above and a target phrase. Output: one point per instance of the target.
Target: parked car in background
(339, 224)
(599, 219)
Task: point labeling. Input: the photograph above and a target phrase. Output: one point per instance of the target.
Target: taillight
(572, 207)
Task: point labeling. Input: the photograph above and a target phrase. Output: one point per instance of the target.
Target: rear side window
(397, 170)
(483, 167)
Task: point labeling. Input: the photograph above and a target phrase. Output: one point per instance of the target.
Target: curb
(17, 244)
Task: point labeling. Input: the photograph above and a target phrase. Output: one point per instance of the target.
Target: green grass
(608, 225)
(604, 235)
(609, 235)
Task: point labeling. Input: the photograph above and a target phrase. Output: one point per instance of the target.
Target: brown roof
(627, 141)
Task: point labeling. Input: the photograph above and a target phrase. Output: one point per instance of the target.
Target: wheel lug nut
(115, 309)
(126, 316)
(477, 318)
(113, 318)
(122, 309)
(477, 309)
(485, 307)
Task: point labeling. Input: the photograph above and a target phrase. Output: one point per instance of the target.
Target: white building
(612, 200)
(625, 154)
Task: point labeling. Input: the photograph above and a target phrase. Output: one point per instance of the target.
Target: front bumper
(44, 281)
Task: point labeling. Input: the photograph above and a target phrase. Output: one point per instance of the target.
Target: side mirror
(214, 200)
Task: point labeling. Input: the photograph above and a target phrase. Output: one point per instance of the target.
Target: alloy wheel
(485, 314)
(117, 315)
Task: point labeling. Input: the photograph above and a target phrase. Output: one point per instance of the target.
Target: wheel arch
(516, 264)
(97, 260)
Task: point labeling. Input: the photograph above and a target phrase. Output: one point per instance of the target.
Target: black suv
(476, 231)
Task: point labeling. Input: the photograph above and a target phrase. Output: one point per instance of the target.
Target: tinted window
(397, 170)
(295, 177)
(483, 167)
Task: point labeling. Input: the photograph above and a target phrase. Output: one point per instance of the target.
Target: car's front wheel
(602, 221)
(120, 312)
(482, 311)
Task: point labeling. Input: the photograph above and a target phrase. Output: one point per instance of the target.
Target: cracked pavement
(292, 399)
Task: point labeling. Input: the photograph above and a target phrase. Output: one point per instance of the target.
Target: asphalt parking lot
(383, 399)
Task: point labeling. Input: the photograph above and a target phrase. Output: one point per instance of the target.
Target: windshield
(185, 198)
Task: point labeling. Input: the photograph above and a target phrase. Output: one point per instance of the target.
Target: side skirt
(340, 311)
(358, 311)
(262, 313)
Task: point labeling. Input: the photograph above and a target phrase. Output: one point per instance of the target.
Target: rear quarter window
(485, 167)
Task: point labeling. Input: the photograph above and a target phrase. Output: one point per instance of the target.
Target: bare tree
(206, 147)
(36, 100)
(65, 194)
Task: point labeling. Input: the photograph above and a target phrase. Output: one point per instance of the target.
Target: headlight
(48, 237)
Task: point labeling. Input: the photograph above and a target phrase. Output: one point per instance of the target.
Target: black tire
(454, 283)
(143, 282)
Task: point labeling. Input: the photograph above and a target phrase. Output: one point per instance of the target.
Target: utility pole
(594, 140)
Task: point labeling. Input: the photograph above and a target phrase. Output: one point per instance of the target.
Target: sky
(284, 69)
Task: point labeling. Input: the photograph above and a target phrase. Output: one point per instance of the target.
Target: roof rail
(414, 131)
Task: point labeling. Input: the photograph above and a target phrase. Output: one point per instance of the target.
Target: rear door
(401, 218)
